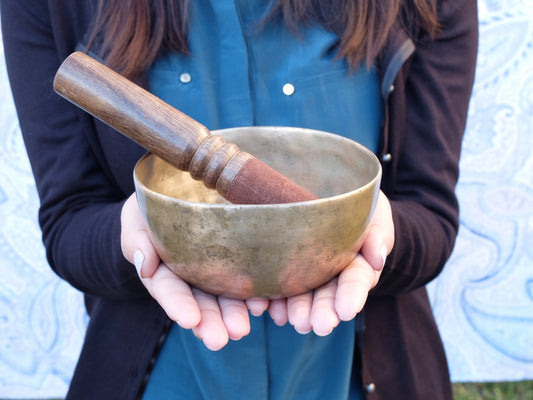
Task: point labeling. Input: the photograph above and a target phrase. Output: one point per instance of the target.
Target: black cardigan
(83, 175)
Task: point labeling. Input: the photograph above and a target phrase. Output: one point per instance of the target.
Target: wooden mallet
(171, 135)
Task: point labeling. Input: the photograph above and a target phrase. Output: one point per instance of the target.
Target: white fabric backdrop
(483, 301)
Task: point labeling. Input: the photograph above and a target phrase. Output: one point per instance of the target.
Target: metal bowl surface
(275, 250)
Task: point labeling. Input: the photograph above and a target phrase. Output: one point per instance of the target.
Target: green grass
(493, 391)
(486, 391)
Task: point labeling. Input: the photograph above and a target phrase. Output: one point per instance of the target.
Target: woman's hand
(213, 319)
(343, 297)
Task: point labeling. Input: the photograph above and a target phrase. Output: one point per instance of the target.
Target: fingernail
(383, 252)
(256, 313)
(197, 335)
(138, 259)
(323, 333)
(303, 331)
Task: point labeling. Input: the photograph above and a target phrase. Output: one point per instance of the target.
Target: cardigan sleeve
(428, 111)
(80, 204)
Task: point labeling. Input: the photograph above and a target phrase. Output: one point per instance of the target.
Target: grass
(486, 391)
(493, 391)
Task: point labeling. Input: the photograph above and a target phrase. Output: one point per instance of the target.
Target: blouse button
(386, 157)
(391, 89)
(288, 89)
(370, 388)
(185, 78)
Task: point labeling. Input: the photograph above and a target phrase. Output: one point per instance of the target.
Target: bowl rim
(375, 180)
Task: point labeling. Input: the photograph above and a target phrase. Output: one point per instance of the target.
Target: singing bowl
(275, 250)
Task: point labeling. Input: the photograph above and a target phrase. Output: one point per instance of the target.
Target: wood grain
(171, 134)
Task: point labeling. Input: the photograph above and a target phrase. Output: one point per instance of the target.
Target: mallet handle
(172, 135)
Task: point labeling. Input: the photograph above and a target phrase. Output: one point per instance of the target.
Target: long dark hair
(131, 33)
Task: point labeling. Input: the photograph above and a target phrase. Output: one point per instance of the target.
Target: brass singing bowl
(275, 250)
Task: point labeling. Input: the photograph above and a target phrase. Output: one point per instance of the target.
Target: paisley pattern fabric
(42, 318)
(483, 301)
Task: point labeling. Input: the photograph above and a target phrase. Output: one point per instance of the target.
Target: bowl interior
(325, 164)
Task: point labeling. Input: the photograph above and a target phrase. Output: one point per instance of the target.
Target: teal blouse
(240, 75)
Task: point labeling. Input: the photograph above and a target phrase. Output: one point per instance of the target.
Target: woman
(401, 72)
